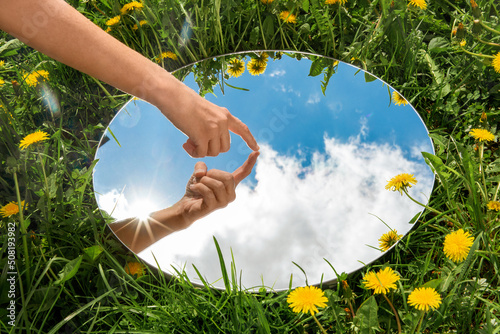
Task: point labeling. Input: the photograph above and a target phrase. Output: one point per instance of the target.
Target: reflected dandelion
(256, 67)
(34, 78)
(398, 99)
(236, 67)
(457, 245)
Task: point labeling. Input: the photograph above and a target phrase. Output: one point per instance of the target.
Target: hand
(210, 190)
(206, 124)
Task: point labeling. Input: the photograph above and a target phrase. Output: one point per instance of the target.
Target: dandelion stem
(432, 209)
(486, 42)
(420, 322)
(476, 54)
(489, 28)
(23, 230)
(481, 171)
(319, 325)
(395, 313)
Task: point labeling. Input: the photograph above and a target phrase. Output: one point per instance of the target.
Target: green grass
(71, 276)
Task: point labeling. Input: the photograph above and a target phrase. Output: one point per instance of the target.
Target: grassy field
(72, 274)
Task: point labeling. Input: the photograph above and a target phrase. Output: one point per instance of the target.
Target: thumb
(189, 147)
(245, 169)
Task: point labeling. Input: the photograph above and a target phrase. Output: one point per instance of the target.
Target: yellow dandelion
(401, 182)
(10, 209)
(306, 300)
(32, 79)
(382, 281)
(457, 245)
(333, 2)
(33, 138)
(236, 67)
(1, 82)
(493, 205)
(496, 63)
(424, 299)
(482, 135)
(288, 17)
(418, 3)
(2, 63)
(388, 239)
(167, 54)
(256, 67)
(266, 2)
(134, 5)
(463, 42)
(141, 23)
(398, 99)
(113, 21)
(135, 268)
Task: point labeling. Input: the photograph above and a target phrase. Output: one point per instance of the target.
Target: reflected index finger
(245, 169)
(237, 126)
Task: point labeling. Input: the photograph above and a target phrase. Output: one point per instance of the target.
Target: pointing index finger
(245, 169)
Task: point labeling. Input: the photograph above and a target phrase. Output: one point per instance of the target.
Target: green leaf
(438, 44)
(369, 77)
(93, 252)
(305, 5)
(367, 316)
(316, 67)
(69, 270)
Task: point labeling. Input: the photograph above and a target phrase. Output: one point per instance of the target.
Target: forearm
(137, 235)
(50, 26)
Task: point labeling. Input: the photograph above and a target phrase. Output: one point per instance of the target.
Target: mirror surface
(331, 136)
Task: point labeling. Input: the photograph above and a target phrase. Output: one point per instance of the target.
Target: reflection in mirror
(331, 136)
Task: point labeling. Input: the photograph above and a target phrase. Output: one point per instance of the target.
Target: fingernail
(196, 171)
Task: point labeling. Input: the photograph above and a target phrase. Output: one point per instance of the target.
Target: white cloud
(277, 73)
(302, 214)
(313, 99)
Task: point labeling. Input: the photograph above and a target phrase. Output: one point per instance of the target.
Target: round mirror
(331, 136)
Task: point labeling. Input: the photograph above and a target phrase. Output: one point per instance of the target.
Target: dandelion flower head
(256, 67)
(333, 2)
(401, 182)
(463, 42)
(2, 62)
(496, 63)
(134, 268)
(141, 23)
(113, 21)
(1, 82)
(457, 245)
(167, 54)
(266, 2)
(235, 67)
(32, 79)
(33, 138)
(388, 239)
(493, 205)
(424, 299)
(418, 3)
(398, 99)
(134, 5)
(382, 281)
(482, 135)
(10, 209)
(288, 17)
(306, 299)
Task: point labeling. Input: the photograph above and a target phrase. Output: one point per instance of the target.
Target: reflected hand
(206, 124)
(210, 190)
